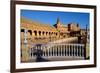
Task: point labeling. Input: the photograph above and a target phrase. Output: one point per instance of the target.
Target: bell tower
(58, 22)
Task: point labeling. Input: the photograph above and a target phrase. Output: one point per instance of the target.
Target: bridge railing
(50, 50)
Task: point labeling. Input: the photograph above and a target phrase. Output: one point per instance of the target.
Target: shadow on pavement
(39, 57)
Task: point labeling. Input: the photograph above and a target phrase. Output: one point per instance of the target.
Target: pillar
(77, 51)
(69, 49)
(24, 48)
(48, 51)
(60, 50)
(66, 47)
(80, 50)
(64, 50)
(83, 51)
(55, 51)
(74, 49)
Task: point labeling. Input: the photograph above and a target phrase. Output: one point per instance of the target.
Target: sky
(50, 17)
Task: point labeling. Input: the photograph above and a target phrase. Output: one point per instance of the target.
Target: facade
(38, 32)
(33, 32)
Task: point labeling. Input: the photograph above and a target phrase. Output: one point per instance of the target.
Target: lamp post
(85, 43)
(25, 48)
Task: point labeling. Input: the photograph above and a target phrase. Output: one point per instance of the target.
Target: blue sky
(50, 17)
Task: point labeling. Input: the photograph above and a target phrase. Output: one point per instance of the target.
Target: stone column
(69, 50)
(31, 52)
(74, 50)
(56, 50)
(48, 51)
(77, 50)
(83, 51)
(80, 50)
(59, 47)
(37, 34)
(62, 50)
(44, 51)
(25, 50)
(33, 35)
(52, 51)
(66, 50)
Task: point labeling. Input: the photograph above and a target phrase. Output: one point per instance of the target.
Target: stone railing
(51, 50)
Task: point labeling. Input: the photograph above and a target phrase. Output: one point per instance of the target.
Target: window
(56, 34)
(46, 33)
(22, 30)
(43, 32)
(49, 33)
(39, 33)
(35, 32)
(30, 32)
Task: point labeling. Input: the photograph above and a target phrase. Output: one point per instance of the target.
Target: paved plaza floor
(57, 58)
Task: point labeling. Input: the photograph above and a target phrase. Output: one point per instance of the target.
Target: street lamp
(85, 43)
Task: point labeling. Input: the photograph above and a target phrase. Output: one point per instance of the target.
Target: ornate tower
(58, 22)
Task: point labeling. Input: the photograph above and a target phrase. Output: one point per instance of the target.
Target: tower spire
(58, 21)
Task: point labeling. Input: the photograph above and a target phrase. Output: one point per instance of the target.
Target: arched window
(35, 32)
(49, 33)
(39, 33)
(30, 32)
(46, 33)
(43, 32)
(52, 33)
(22, 30)
(56, 34)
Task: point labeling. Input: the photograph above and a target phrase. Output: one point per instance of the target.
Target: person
(39, 54)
